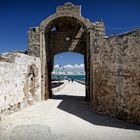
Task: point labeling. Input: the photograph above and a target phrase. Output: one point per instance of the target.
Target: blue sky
(68, 58)
(16, 16)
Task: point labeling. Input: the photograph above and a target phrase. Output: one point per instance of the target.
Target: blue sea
(77, 77)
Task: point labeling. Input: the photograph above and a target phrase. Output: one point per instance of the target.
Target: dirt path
(65, 117)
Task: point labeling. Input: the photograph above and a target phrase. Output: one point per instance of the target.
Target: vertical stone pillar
(87, 63)
(91, 46)
(42, 65)
(86, 77)
(96, 40)
(91, 64)
(44, 70)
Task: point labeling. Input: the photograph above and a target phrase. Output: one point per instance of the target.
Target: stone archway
(110, 72)
(64, 34)
(65, 31)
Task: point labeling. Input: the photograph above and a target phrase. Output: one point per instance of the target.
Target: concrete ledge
(80, 82)
(59, 88)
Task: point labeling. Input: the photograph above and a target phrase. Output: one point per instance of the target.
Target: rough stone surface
(112, 64)
(117, 77)
(20, 83)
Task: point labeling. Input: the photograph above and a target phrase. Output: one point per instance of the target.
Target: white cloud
(70, 68)
(56, 66)
(76, 65)
(79, 66)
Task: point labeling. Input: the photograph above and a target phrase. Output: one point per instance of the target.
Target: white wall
(15, 79)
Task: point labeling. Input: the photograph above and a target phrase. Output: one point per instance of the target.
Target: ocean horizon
(66, 76)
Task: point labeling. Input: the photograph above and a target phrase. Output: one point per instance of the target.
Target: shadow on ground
(77, 106)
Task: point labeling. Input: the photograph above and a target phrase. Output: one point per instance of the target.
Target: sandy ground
(65, 117)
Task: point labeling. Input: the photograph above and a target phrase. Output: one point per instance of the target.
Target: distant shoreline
(71, 76)
(67, 74)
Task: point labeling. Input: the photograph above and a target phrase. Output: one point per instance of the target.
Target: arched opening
(68, 73)
(65, 34)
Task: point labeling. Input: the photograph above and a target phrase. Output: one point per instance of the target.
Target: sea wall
(59, 88)
(20, 81)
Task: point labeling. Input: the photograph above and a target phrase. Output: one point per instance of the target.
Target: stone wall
(68, 8)
(20, 81)
(117, 77)
(112, 64)
(34, 42)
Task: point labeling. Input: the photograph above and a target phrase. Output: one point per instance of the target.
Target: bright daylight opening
(68, 76)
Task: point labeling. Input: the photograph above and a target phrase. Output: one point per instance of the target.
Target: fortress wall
(117, 77)
(20, 81)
